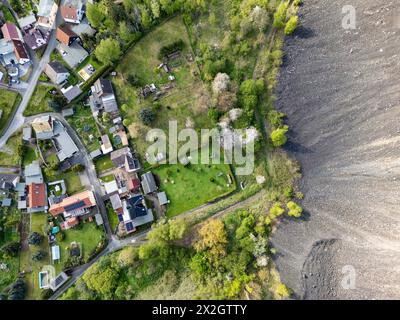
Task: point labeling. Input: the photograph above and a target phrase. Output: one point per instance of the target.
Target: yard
(9, 100)
(112, 217)
(103, 163)
(39, 102)
(9, 156)
(85, 126)
(87, 235)
(187, 101)
(72, 181)
(188, 187)
(38, 224)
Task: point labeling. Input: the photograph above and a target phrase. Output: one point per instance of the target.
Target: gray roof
(96, 153)
(27, 133)
(68, 112)
(143, 219)
(72, 55)
(148, 183)
(116, 201)
(162, 198)
(124, 158)
(71, 93)
(67, 147)
(8, 181)
(45, 7)
(57, 67)
(99, 219)
(33, 173)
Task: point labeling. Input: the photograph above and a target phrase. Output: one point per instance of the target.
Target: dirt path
(341, 92)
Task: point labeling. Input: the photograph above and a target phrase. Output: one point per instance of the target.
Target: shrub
(278, 136)
(147, 116)
(11, 248)
(35, 238)
(294, 209)
(280, 15)
(291, 25)
(39, 255)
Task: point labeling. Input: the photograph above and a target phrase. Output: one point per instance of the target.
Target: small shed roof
(162, 198)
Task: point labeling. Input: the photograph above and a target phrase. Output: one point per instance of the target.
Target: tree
(95, 15)
(145, 18)
(125, 32)
(108, 51)
(11, 248)
(226, 101)
(147, 116)
(212, 239)
(291, 25)
(39, 255)
(278, 136)
(17, 290)
(294, 209)
(280, 15)
(102, 278)
(220, 83)
(155, 8)
(126, 122)
(105, 117)
(35, 239)
(167, 231)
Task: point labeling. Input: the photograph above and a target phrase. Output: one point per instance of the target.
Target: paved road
(38, 67)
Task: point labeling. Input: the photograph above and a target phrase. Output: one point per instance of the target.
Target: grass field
(87, 235)
(84, 124)
(187, 102)
(39, 102)
(29, 156)
(10, 157)
(112, 217)
(194, 185)
(8, 102)
(103, 163)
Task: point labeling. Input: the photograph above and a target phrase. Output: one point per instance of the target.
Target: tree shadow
(304, 32)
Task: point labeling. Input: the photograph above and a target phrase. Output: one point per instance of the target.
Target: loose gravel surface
(341, 92)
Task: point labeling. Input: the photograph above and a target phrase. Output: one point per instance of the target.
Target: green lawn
(39, 102)
(103, 163)
(11, 156)
(187, 102)
(8, 102)
(194, 185)
(87, 234)
(38, 224)
(108, 178)
(112, 217)
(84, 124)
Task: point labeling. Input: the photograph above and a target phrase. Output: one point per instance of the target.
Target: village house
(148, 183)
(11, 32)
(103, 99)
(47, 13)
(37, 198)
(135, 213)
(116, 204)
(65, 35)
(7, 55)
(73, 54)
(33, 173)
(8, 181)
(106, 146)
(36, 38)
(21, 54)
(71, 92)
(56, 72)
(123, 158)
(75, 205)
(72, 11)
(47, 128)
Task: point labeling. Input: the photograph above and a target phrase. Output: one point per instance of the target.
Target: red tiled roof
(134, 184)
(10, 31)
(86, 196)
(37, 195)
(64, 34)
(68, 12)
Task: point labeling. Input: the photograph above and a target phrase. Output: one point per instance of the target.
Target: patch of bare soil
(341, 92)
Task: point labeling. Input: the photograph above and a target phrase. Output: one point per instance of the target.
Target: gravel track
(341, 92)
